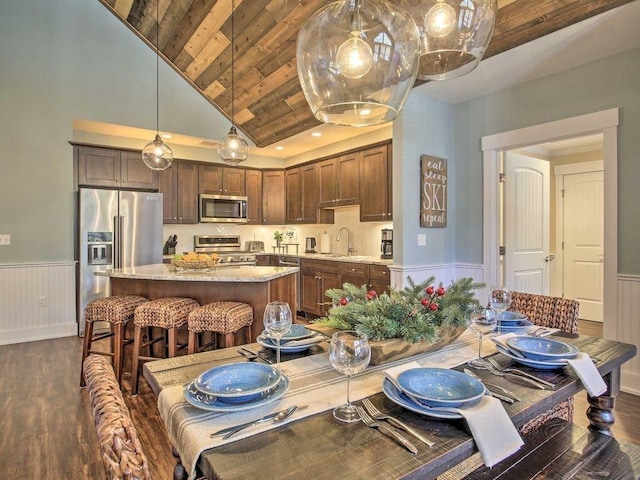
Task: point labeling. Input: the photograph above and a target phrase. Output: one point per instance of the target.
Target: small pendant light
(233, 149)
(156, 154)
(454, 34)
(357, 61)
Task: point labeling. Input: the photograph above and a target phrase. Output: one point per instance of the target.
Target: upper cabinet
(108, 167)
(302, 196)
(179, 186)
(339, 183)
(219, 180)
(273, 197)
(376, 199)
(254, 196)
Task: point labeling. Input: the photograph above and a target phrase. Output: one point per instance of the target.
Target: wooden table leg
(179, 472)
(600, 413)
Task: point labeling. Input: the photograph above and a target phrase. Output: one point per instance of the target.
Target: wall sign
(433, 195)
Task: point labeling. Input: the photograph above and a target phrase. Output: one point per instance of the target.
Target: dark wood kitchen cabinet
(354, 273)
(316, 277)
(339, 181)
(376, 199)
(179, 186)
(253, 182)
(379, 278)
(114, 168)
(273, 197)
(302, 196)
(219, 180)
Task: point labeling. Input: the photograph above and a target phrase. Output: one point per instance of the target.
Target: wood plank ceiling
(195, 38)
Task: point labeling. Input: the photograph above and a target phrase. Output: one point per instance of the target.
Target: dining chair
(553, 312)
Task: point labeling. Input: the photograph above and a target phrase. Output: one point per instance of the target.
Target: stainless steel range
(228, 248)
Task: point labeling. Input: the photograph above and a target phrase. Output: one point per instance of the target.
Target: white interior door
(526, 224)
(583, 213)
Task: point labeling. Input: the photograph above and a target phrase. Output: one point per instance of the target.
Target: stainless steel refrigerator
(116, 229)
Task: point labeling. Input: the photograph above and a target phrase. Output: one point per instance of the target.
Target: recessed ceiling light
(316, 134)
(279, 147)
(166, 135)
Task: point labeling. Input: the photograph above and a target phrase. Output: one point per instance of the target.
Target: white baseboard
(38, 333)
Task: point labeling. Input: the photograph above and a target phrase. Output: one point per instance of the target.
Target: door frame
(605, 122)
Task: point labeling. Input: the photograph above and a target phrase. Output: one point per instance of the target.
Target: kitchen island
(253, 285)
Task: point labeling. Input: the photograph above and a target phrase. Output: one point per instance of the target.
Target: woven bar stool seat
(117, 310)
(224, 318)
(166, 313)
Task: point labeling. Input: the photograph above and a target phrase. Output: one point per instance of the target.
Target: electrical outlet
(422, 239)
(5, 239)
(42, 301)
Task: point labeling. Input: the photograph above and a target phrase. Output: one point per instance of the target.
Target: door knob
(550, 258)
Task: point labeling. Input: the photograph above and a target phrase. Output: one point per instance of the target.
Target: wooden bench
(120, 448)
(559, 450)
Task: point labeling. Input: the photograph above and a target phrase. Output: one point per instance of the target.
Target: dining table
(313, 444)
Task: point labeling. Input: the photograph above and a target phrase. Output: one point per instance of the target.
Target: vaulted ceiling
(195, 38)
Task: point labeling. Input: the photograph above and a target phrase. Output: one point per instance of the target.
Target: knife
(257, 354)
(282, 413)
(494, 394)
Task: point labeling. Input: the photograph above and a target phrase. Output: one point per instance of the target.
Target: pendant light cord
(157, 67)
(233, 112)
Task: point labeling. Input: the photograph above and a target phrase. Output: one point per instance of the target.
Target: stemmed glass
(277, 320)
(499, 299)
(349, 353)
(481, 320)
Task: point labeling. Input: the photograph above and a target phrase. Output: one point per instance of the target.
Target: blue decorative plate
(519, 326)
(548, 365)
(541, 349)
(269, 343)
(296, 332)
(209, 402)
(441, 387)
(238, 382)
(512, 318)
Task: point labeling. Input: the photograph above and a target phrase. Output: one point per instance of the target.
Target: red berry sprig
(432, 294)
(371, 294)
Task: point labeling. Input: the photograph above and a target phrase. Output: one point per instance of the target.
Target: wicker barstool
(117, 311)
(168, 314)
(224, 318)
(552, 312)
(122, 454)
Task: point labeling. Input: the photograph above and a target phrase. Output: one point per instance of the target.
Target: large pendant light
(454, 34)
(156, 154)
(233, 149)
(357, 61)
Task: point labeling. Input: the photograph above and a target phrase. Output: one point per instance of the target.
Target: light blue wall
(61, 60)
(600, 85)
(425, 126)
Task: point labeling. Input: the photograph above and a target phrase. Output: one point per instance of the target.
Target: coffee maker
(386, 245)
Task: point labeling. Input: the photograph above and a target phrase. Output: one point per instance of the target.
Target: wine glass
(349, 353)
(481, 320)
(277, 320)
(499, 299)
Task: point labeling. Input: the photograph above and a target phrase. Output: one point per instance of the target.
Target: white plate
(549, 365)
(210, 403)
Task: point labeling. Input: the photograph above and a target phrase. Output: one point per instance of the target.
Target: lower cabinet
(316, 277)
(379, 278)
(355, 273)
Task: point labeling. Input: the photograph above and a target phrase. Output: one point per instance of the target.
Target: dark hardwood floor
(47, 431)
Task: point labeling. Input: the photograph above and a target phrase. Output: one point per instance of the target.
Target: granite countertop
(335, 257)
(161, 271)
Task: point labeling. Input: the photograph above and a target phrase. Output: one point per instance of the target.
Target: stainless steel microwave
(222, 209)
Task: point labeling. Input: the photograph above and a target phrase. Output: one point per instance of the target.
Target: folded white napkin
(491, 427)
(588, 374)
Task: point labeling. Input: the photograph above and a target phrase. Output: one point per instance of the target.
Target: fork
(378, 415)
(370, 422)
(518, 373)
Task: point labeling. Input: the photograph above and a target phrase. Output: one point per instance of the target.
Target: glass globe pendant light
(357, 61)
(454, 34)
(233, 149)
(156, 154)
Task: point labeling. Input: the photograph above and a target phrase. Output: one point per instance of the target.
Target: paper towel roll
(325, 243)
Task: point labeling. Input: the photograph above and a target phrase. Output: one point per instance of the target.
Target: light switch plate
(5, 239)
(422, 239)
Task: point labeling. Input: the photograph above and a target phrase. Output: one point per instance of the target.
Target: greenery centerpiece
(420, 318)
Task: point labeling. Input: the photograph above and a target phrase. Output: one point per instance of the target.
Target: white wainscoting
(22, 319)
(628, 328)
(444, 273)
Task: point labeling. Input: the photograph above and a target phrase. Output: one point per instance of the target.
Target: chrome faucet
(349, 247)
